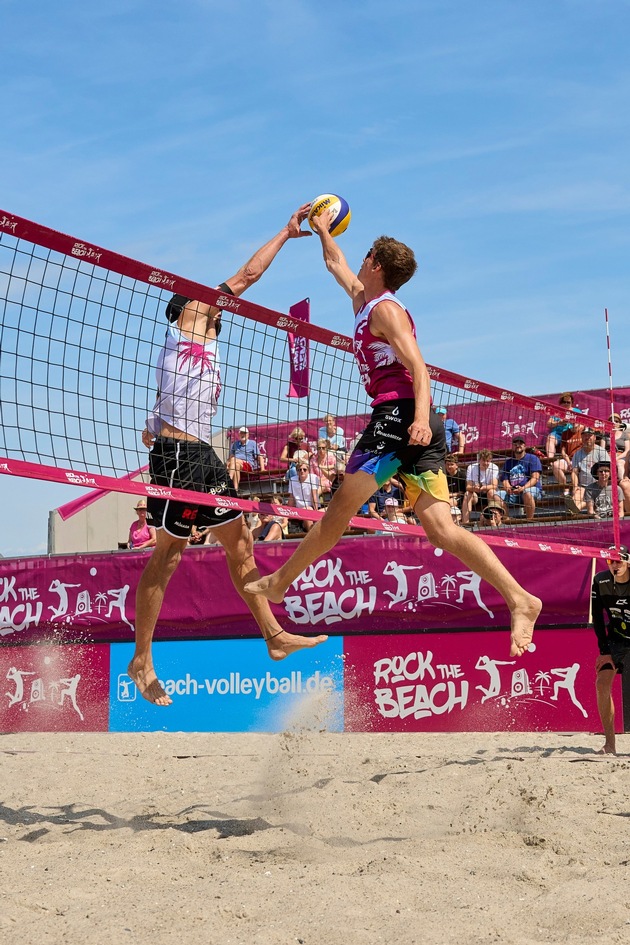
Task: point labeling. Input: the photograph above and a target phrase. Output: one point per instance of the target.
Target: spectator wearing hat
(244, 457)
(493, 516)
(455, 438)
(582, 463)
(141, 535)
(482, 481)
(598, 496)
(610, 600)
(520, 478)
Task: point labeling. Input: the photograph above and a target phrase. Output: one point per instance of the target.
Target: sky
(492, 137)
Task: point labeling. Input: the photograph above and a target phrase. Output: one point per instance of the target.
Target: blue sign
(231, 686)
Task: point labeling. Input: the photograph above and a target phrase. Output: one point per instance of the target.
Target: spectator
(581, 465)
(482, 481)
(389, 496)
(141, 535)
(521, 478)
(598, 496)
(557, 426)
(622, 443)
(253, 518)
(493, 516)
(268, 528)
(333, 434)
(295, 444)
(625, 486)
(244, 457)
(282, 520)
(455, 438)
(570, 443)
(304, 492)
(324, 465)
(199, 536)
(456, 485)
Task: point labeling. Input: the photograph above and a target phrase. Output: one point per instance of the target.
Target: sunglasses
(369, 253)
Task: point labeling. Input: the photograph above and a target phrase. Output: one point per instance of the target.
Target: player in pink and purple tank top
(404, 436)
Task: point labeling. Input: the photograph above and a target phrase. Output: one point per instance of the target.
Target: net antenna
(613, 460)
(81, 328)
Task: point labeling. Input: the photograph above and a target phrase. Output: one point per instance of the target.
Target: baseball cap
(624, 554)
(518, 438)
(243, 430)
(587, 431)
(440, 410)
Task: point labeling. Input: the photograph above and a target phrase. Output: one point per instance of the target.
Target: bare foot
(148, 685)
(524, 616)
(268, 587)
(607, 750)
(283, 644)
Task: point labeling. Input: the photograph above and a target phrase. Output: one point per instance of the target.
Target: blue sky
(493, 137)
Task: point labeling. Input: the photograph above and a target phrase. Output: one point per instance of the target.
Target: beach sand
(313, 838)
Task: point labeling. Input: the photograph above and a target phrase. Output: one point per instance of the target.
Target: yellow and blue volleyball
(339, 208)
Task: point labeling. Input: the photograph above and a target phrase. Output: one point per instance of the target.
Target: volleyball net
(81, 329)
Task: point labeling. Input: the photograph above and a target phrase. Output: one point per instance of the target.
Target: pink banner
(467, 682)
(299, 352)
(365, 585)
(54, 688)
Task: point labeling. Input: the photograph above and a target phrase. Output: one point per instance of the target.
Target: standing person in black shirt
(610, 595)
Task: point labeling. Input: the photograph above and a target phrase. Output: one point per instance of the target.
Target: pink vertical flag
(299, 352)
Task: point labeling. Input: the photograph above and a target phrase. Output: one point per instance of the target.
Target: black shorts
(619, 651)
(188, 464)
(384, 451)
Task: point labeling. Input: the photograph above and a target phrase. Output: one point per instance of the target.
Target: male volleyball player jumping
(178, 431)
(404, 437)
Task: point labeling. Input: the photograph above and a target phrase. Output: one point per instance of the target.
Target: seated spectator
(282, 520)
(304, 492)
(557, 426)
(268, 529)
(253, 518)
(493, 516)
(200, 536)
(456, 485)
(625, 486)
(141, 535)
(570, 443)
(581, 465)
(244, 457)
(598, 496)
(389, 496)
(324, 465)
(621, 437)
(482, 481)
(295, 444)
(455, 438)
(520, 478)
(333, 434)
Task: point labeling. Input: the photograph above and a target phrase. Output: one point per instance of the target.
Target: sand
(313, 838)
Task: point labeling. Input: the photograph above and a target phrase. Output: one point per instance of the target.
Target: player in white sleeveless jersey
(177, 432)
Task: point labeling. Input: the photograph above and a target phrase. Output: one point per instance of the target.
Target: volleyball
(340, 210)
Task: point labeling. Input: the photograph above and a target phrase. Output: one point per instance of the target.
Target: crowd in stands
(571, 469)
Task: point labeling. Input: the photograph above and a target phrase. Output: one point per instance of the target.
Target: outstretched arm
(336, 261)
(248, 274)
(253, 269)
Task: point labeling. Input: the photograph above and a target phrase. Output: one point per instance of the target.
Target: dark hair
(450, 458)
(395, 259)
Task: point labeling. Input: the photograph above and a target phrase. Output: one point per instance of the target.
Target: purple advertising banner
(299, 352)
(467, 682)
(365, 585)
